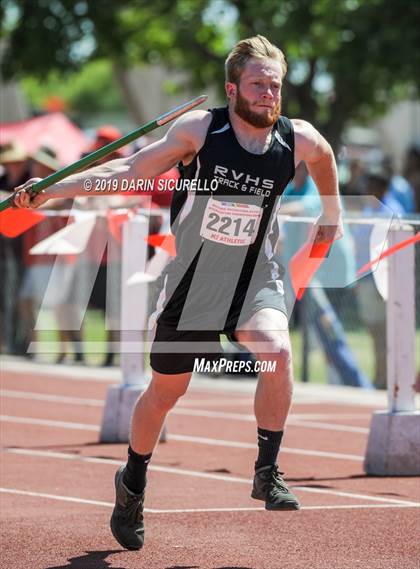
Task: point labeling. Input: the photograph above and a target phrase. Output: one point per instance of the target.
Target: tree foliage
(85, 93)
(348, 59)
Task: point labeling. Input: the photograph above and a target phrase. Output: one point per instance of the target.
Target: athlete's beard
(242, 108)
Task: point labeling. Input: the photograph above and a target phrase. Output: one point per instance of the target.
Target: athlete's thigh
(174, 351)
(264, 321)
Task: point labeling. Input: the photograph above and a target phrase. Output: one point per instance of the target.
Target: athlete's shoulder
(309, 142)
(194, 120)
(303, 128)
(190, 129)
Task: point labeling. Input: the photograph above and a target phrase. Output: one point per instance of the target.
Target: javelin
(105, 150)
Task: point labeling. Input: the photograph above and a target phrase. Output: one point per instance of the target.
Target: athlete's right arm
(182, 141)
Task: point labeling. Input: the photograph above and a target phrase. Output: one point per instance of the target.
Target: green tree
(85, 92)
(348, 59)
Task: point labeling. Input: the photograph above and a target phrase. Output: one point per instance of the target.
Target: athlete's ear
(230, 90)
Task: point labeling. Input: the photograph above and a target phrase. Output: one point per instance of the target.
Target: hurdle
(393, 447)
(136, 275)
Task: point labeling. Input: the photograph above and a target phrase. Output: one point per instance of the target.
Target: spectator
(14, 159)
(337, 271)
(371, 305)
(109, 271)
(14, 162)
(399, 187)
(110, 264)
(411, 170)
(38, 268)
(354, 186)
(105, 135)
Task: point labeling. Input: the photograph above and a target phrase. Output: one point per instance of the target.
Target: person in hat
(105, 135)
(14, 162)
(372, 309)
(38, 268)
(14, 165)
(44, 162)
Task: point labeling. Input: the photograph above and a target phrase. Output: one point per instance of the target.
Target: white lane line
(60, 372)
(324, 416)
(304, 394)
(65, 456)
(18, 394)
(355, 496)
(251, 418)
(48, 423)
(213, 414)
(299, 419)
(194, 510)
(181, 438)
(223, 401)
(206, 475)
(55, 497)
(262, 509)
(237, 444)
(327, 426)
(15, 394)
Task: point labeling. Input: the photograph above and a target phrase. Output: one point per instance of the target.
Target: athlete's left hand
(328, 228)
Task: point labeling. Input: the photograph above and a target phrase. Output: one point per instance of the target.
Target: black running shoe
(127, 518)
(270, 487)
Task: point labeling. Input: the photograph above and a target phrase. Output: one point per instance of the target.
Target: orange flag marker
(165, 242)
(14, 222)
(305, 263)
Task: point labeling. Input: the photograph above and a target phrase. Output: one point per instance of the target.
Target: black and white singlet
(228, 217)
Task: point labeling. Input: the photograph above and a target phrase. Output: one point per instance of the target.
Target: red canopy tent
(54, 130)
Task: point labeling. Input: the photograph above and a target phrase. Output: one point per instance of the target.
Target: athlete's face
(257, 97)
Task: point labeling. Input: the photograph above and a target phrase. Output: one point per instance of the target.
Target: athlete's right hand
(23, 196)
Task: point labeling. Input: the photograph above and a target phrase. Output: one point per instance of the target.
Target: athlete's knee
(274, 347)
(164, 397)
(283, 355)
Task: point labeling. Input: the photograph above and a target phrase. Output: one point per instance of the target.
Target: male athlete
(223, 278)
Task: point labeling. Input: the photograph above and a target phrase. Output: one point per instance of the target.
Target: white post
(134, 300)
(401, 326)
(394, 439)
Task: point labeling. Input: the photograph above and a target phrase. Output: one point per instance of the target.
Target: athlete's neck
(255, 140)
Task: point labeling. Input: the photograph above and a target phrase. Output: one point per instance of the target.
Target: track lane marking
(251, 418)
(235, 444)
(204, 413)
(55, 497)
(193, 510)
(327, 426)
(16, 394)
(304, 394)
(206, 475)
(182, 438)
(184, 404)
(49, 423)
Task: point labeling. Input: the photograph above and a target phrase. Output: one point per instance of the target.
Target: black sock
(268, 447)
(135, 472)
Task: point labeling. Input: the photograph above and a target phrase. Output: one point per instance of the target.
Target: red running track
(57, 486)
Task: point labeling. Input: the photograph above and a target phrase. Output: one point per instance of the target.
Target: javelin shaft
(109, 148)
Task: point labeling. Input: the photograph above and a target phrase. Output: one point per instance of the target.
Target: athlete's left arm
(312, 148)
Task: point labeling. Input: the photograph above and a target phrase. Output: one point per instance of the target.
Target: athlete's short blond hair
(256, 47)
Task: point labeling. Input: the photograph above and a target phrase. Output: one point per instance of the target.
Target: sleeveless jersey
(227, 220)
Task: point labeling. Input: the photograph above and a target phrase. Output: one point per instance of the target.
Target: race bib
(231, 223)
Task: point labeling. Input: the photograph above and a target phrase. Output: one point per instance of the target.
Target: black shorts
(192, 311)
